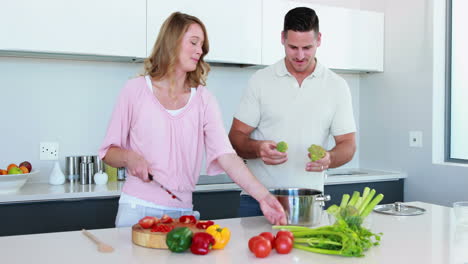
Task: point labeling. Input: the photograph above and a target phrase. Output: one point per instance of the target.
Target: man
(299, 101)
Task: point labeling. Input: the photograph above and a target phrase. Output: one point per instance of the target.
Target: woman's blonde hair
(161, 63)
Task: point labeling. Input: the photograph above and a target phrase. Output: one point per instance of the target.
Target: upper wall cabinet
(352, 40)
(105, 27)
(234, 27)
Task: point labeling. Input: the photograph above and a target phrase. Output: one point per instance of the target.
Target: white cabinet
(234, 27)
(352, 40)
(104, 27)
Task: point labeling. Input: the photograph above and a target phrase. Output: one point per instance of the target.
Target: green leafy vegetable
(316, 152)
(282, 146)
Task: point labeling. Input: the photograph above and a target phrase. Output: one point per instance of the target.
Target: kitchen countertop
(428, 238)
(349, 176)
(37, 191)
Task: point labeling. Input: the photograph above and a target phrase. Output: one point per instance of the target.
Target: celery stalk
(344, 200)
(315, 241)
(317, 250)
(354, 198)
(359, 202)
(365, 192)
(371, 205)
(367, 201)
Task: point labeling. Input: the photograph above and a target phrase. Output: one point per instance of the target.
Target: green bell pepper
(179, 239)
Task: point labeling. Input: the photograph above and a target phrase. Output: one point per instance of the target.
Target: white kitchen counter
(37, 191)
(349, 176)
(31, 192)
(428, 238)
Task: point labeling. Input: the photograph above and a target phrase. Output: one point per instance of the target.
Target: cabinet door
(351, 39)
(57, 216)
(105, 27)
(234, 27)
(216, 204)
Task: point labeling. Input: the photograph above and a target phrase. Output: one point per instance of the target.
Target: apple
(15, 170)
(27, 164)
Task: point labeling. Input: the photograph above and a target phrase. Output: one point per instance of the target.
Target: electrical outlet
(49, 151)
(415, 139)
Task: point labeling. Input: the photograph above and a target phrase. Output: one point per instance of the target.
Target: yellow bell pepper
(221, 235)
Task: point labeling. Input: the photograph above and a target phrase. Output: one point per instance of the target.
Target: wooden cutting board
(145, 238)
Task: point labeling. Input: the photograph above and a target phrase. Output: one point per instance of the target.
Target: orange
(3, 172)
(12, 166)
(24, 169)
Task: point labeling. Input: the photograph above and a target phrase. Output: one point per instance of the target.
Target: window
(457, 82)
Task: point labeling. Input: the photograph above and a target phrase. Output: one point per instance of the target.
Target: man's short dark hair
(301, 19)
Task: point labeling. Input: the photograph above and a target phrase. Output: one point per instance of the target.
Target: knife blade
(163, 187)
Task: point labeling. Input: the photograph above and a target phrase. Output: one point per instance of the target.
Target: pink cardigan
(172, 145)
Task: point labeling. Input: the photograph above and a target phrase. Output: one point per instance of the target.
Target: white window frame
(449, 152)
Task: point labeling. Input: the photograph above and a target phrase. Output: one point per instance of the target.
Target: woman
(163, 122)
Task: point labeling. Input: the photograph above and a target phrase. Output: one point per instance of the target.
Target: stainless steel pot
(302, 206)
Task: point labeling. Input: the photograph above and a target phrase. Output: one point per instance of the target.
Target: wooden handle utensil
(102, 247)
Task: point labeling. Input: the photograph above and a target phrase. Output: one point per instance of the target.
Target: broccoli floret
(282, 146)
(316, 152)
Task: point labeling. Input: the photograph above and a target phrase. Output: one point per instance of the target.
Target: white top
(429, 238)
(176, 111)
(281, 110)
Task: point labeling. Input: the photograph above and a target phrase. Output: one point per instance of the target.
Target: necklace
(170, 102)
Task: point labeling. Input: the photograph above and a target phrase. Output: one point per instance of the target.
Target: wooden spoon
(102, 247)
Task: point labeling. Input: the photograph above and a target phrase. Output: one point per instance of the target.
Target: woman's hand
(241, 175)
(272, 210)
(137, 166)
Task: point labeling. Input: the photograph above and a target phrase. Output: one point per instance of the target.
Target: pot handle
(322, 198)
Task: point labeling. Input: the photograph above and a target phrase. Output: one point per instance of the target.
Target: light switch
(415, 139)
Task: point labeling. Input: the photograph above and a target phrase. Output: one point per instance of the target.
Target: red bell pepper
(188, 219)
(162, 228)
(202, 243)
(204, 224)
(148, 221)
(165, 219)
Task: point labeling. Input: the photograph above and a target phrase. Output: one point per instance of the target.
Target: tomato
(261, 248)
(269, 236)
(283, 244)
(147, 222)
(252, 241)
(285, 233)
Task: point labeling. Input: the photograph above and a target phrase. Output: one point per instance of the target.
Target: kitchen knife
(164, 188)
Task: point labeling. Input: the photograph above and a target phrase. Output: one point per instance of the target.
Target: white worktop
(40, 191)
(428, 238)
(31, 192)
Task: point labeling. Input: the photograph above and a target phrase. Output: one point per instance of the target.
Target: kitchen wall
(70, 102)
(401, 99)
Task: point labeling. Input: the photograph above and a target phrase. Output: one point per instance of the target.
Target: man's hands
(319, 165)
(268, 153)
(137, 165)
(270, 156)
(272, 210)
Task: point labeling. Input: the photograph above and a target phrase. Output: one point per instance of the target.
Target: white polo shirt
(281, 110)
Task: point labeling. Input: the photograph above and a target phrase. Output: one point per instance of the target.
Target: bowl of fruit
(15, 176)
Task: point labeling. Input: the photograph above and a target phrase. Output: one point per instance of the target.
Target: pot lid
(399, 208)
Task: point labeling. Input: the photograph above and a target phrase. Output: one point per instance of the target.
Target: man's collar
(281, 70)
